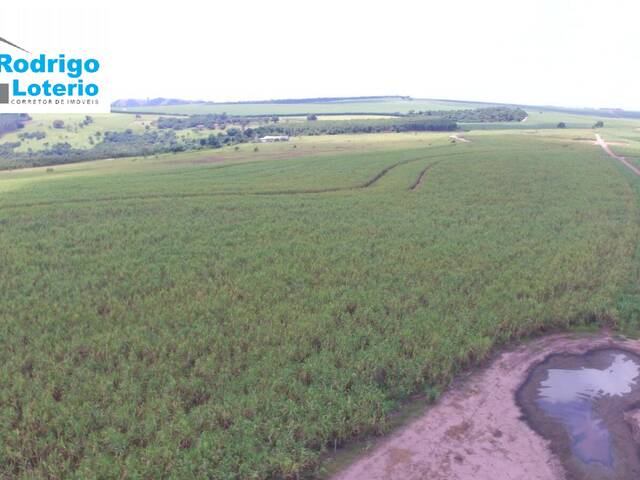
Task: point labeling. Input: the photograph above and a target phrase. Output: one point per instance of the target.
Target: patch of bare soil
(458, 138)
(525, 119)
(476, 431)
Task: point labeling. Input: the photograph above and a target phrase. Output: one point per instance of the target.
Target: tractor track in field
(422, 176)
(158, 196)
(386, 170)
(153, 196)
(607, 148)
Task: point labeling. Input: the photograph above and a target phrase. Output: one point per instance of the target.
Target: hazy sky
(560, 52)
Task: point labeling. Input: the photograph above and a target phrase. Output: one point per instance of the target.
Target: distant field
(541, 117)
(235, 314)
(385, 107)
(333, 118)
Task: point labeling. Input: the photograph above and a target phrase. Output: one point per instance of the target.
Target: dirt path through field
(605, 146)
(475, 431)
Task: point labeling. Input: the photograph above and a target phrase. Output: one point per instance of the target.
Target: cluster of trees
(112, 145)
(415, 121)
(335, 127)
(232, 137)
(10, 122)
(598, 124)
(37, 135)
(6, 149)
(211, 121)
(311, 127)
(60, 124)
(480, 115)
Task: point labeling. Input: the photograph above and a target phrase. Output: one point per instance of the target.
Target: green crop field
(235, 314)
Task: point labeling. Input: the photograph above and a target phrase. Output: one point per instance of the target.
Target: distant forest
(10, 122)
(480, 115)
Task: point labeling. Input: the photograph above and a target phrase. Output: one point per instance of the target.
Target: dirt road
(605, 146)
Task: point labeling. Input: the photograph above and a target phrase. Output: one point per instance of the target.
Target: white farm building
(274, 138)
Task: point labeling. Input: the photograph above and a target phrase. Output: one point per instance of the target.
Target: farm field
(74, 132)
(81, 135)
(45, 139)
(387, 106)
(238, 313)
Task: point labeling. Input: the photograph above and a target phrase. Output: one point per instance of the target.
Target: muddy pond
(588, 407)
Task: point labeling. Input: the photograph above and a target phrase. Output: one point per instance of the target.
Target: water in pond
(582, 404)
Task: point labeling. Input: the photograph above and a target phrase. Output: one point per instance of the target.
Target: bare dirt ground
(525, 119)
(458, 138)
(606, 147)
(476, 430)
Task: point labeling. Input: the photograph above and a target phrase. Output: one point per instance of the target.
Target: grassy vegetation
(74, 132)
(187, 316)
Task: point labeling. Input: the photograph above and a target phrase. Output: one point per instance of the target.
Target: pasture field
(236, 314)
(74, 132)
(80, 135)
